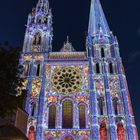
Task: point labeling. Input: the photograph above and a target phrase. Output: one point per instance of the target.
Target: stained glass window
(67, 114)
(82, 119)
(52, 117)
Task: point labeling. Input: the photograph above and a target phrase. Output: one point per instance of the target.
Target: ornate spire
(67, 46)
(97, 20)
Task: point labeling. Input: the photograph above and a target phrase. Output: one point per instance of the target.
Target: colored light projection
(36, 87)
(28, 57)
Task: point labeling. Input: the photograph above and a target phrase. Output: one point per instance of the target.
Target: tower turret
(111, 107)
(38, 36)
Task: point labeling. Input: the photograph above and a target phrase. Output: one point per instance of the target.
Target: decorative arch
(67, 114)
(103, 131)
(52, 116)
(32, 133)
(120, 132)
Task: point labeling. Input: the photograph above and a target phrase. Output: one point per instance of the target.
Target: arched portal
(67, 114)
(103, 132)
(120, 132)
(31, 134)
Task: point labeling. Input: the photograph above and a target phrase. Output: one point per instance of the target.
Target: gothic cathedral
(75, 95)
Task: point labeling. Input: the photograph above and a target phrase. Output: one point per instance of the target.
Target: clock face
(67, 80)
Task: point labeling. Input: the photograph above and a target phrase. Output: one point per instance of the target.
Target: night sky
(70, 17)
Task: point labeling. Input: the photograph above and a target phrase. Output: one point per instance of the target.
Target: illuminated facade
(75, 95)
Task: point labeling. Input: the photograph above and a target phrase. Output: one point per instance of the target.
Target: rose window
(67, 80)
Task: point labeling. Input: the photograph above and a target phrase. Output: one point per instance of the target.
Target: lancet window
(38, 70)
(67, 114)
(100, 105)
(102, 52)
(27, 69)
(82, 116)
(33, 109)
(111, 69)
(115, 105)
(52, 117)
(98, 70)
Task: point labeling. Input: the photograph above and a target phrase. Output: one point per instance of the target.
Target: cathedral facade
(75, 95)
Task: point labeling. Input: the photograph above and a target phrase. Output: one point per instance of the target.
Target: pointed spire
(97, 20)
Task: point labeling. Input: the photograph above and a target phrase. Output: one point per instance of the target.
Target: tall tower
(112, 116)
(75, 95)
